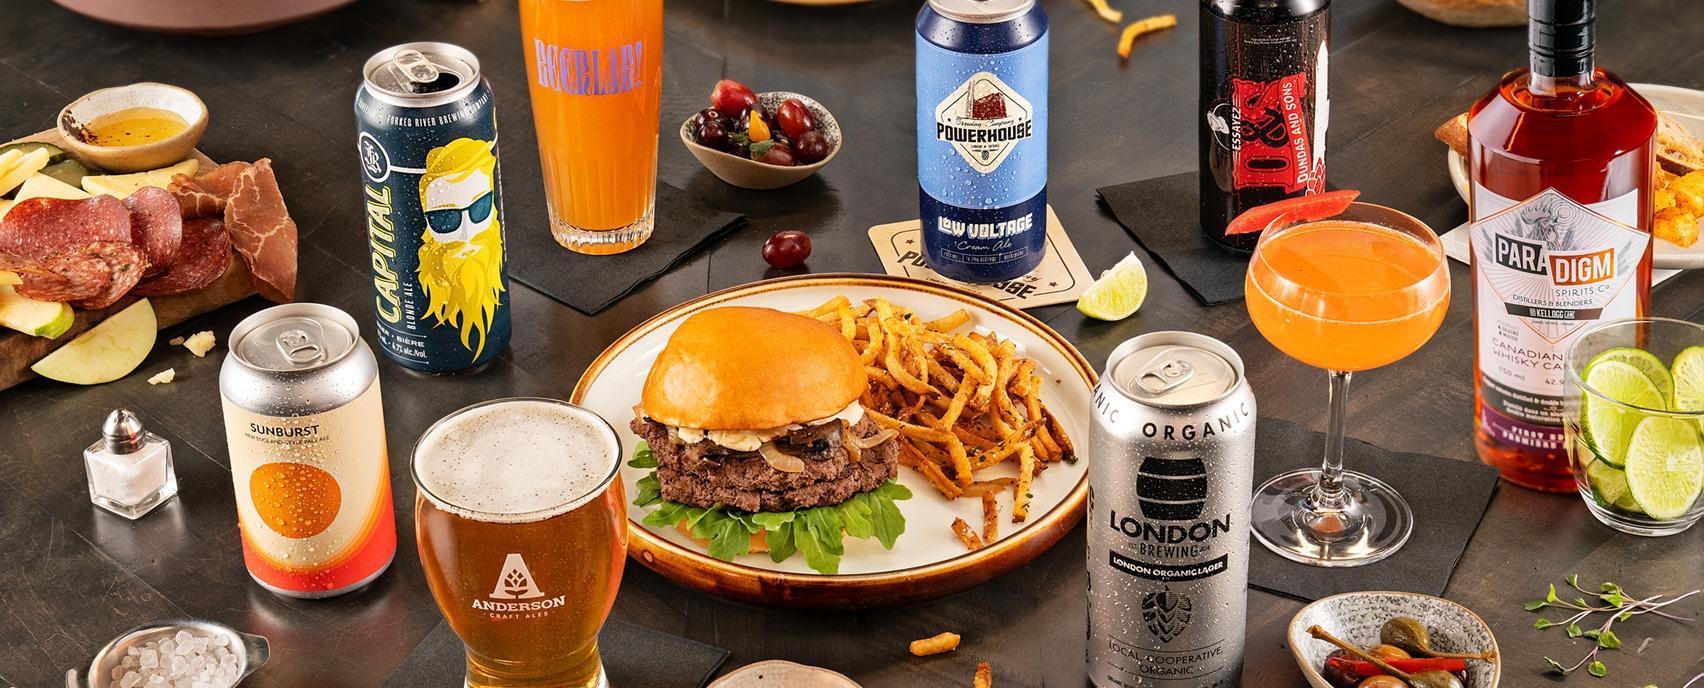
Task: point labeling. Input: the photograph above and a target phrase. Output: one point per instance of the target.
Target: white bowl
(147, 156)
(1355, 618)
(751, 174)
(777, 673)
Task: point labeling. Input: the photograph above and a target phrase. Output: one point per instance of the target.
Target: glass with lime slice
(1633, 415)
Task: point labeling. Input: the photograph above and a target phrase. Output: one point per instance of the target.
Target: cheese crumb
(163, 377)
(175, 341)
(200, 343)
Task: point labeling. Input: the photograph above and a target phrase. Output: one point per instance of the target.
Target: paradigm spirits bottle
(1561, 207)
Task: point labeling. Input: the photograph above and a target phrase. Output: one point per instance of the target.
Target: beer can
(1264, 107)
(306, 432)
(1173, 441)
(434, 204)
(982, 137)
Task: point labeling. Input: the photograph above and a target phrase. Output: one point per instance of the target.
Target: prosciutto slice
(246, 197)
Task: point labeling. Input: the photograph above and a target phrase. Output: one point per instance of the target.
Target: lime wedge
(1665, 466)
(1118, 292)
(1607, 424)
(1647, 363)
(1689, 379)
(1609, 487)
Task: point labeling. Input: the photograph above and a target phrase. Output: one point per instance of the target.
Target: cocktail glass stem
(1328, 494)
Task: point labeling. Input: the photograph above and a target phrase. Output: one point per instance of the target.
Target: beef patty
(705, 474)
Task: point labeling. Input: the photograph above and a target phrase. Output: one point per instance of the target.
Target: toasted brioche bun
(741, 368)
(759, 540)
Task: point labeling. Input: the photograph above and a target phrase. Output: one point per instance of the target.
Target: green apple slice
(35, 318)
(106, 352)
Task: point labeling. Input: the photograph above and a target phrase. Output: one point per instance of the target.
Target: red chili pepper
(1357, 667)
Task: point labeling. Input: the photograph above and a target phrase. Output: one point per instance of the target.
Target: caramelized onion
(850, 442)
(873, 440)
(779, 460)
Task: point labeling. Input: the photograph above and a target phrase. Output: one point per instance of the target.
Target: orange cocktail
(595, 73)
(1349, 293)
(1338, 294)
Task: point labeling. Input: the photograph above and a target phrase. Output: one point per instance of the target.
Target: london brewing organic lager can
(982, 137)
(306, 432)
(428, 153)
(1264, 109)
(1173, 441)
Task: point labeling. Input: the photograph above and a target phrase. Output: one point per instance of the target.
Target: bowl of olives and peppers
(1381, 639)
(761, 140)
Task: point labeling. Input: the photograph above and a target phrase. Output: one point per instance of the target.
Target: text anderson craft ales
(1173, 438)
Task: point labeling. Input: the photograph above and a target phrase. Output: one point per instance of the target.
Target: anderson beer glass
(522, 536)
(596, 76)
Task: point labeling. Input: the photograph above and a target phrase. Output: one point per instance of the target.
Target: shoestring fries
(962, 401)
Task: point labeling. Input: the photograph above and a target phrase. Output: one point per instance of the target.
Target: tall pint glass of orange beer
(596, 79)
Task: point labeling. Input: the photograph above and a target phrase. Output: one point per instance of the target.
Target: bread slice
(1454, 133)
(1678, 150)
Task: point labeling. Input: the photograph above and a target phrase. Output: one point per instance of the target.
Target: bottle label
(1272, 132)
(1545, 268)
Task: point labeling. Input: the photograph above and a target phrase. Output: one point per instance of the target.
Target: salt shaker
(129, 468)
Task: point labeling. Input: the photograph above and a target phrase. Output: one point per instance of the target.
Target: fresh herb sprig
(1618, 606)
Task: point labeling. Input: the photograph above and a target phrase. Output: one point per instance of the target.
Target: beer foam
(516, 461)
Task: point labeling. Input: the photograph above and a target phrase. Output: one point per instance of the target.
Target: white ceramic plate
(928, 560)
(1356, 617)
(1686, 106)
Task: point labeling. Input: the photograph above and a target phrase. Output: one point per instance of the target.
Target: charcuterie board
(236, 281)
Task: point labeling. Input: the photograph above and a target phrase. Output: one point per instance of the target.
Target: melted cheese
(750, 440)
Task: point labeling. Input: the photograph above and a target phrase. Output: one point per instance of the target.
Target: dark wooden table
(72, 576)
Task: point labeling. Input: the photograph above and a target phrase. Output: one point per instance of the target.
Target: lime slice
(1118, 292)
(1647, 363)
(1609, 486)
(1608, 425)
(1665, 466)
(1689, 380)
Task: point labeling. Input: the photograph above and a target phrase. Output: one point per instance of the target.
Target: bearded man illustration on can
(461, 252)
(427, 144)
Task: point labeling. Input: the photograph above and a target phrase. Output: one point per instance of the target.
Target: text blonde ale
(306, 432)
(522, 534)
(1173, 441)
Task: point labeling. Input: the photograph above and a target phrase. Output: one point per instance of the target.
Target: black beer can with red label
(1264, 109)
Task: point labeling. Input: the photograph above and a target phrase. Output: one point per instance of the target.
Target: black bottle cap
(1560, 35)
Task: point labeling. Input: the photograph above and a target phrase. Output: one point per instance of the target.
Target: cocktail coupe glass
(1349, 293)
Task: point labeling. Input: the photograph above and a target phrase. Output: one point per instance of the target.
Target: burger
(751, 418)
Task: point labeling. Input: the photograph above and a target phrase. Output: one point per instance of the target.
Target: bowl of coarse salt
(187, 653)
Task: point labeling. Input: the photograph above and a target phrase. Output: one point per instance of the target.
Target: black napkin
(1444, 519)
(634, 656)
(589, 284)
(1164, 215)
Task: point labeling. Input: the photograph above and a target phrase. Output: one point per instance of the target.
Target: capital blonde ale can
(306, 432)
(427, 143)
(1173, 441)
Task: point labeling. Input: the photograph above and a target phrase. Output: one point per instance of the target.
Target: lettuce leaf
(818, 532)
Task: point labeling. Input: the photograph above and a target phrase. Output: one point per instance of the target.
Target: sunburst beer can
(1169, 487)
(306, 431)
(427, 143)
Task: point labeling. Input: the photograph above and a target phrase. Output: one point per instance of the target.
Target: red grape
(711, 133)
(795, 118)
(777, 155)
(810, 148)
(731, 97)
(787, 249)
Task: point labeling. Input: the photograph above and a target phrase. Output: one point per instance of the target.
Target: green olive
(1411, 635)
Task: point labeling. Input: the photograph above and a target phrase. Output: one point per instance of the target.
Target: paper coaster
(1060, 278)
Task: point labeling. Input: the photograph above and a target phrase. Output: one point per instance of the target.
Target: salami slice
(67, 277)
(125, 262)
(40, 228)
(201, 259)
(156, 226)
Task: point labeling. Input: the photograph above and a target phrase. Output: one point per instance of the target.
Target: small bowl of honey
(134, 128)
